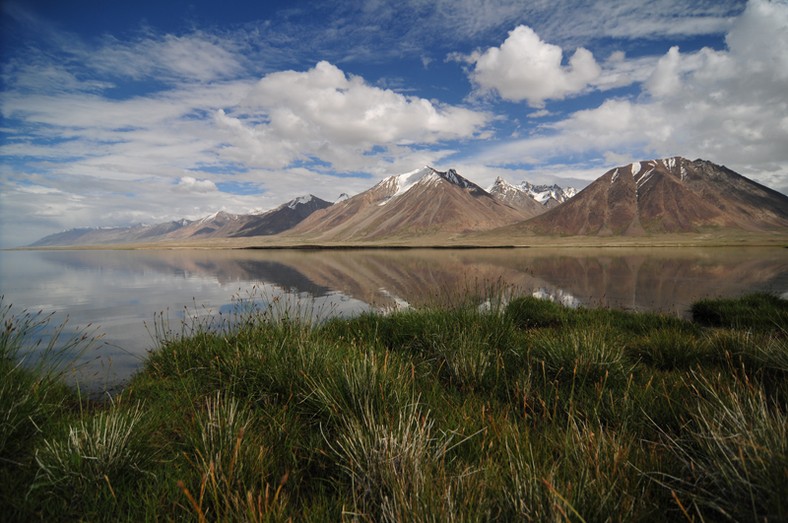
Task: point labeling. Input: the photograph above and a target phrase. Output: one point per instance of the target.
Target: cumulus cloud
(665, 80)
(526, 68)
(337, 118)
(192, 184)
(728, 106)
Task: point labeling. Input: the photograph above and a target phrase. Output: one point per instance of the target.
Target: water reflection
(121, 290)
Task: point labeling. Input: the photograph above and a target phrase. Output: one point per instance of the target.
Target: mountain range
(643, 198)
(217, 225)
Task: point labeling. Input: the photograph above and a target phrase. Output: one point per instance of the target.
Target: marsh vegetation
(525, 410)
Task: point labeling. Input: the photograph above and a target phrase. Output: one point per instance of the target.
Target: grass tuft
(580, 353)
(734, 453)
(529, 312)
(94, 457)
(754, 311)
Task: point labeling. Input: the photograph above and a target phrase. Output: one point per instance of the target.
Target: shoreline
(567, 242)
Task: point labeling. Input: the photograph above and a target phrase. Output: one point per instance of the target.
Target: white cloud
(526, 68)
(726, 106)
(541, 113)
(192, 184)
(196, 56)
(665, 80)
(568, 23)
(324, 113)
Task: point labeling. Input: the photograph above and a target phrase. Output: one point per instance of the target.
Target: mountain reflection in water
(121, 290)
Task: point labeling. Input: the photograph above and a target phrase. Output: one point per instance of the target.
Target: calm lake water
(122, 292)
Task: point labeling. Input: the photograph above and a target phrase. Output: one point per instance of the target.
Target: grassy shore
(521, 411)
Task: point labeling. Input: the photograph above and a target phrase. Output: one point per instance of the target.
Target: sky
(118, 113)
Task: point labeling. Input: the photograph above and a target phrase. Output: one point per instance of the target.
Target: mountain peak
(397, 185)
(301, 200)
(501, 186)
(549, 195)
(669, 195)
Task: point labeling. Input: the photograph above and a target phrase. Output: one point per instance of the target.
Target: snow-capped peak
(342, 197)
(218, 215)
(501, 186)
(452, 176)
(404, 182)
(542, 193)
(401, 183)
(210, 217)
(301, 200)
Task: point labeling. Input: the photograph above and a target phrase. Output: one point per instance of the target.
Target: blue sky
(119, 113)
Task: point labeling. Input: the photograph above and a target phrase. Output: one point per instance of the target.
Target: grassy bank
(524, 411)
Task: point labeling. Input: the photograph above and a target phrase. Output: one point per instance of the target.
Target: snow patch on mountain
(503, 187)
(209, 218)
(301, 200)
(543, 193)
(452, 176)
(645, 177)
(402, 183)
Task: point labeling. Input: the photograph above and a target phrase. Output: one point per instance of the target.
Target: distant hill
(665, 196)
(217, 225)
(110, 235)
(415, 203)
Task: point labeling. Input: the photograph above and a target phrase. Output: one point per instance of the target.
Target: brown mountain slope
(284, 217)
(420, 202)
(666, 196)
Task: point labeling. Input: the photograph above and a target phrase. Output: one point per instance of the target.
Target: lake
(124, 293)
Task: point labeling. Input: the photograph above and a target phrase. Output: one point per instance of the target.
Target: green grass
(529, 411)
(754, 312)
